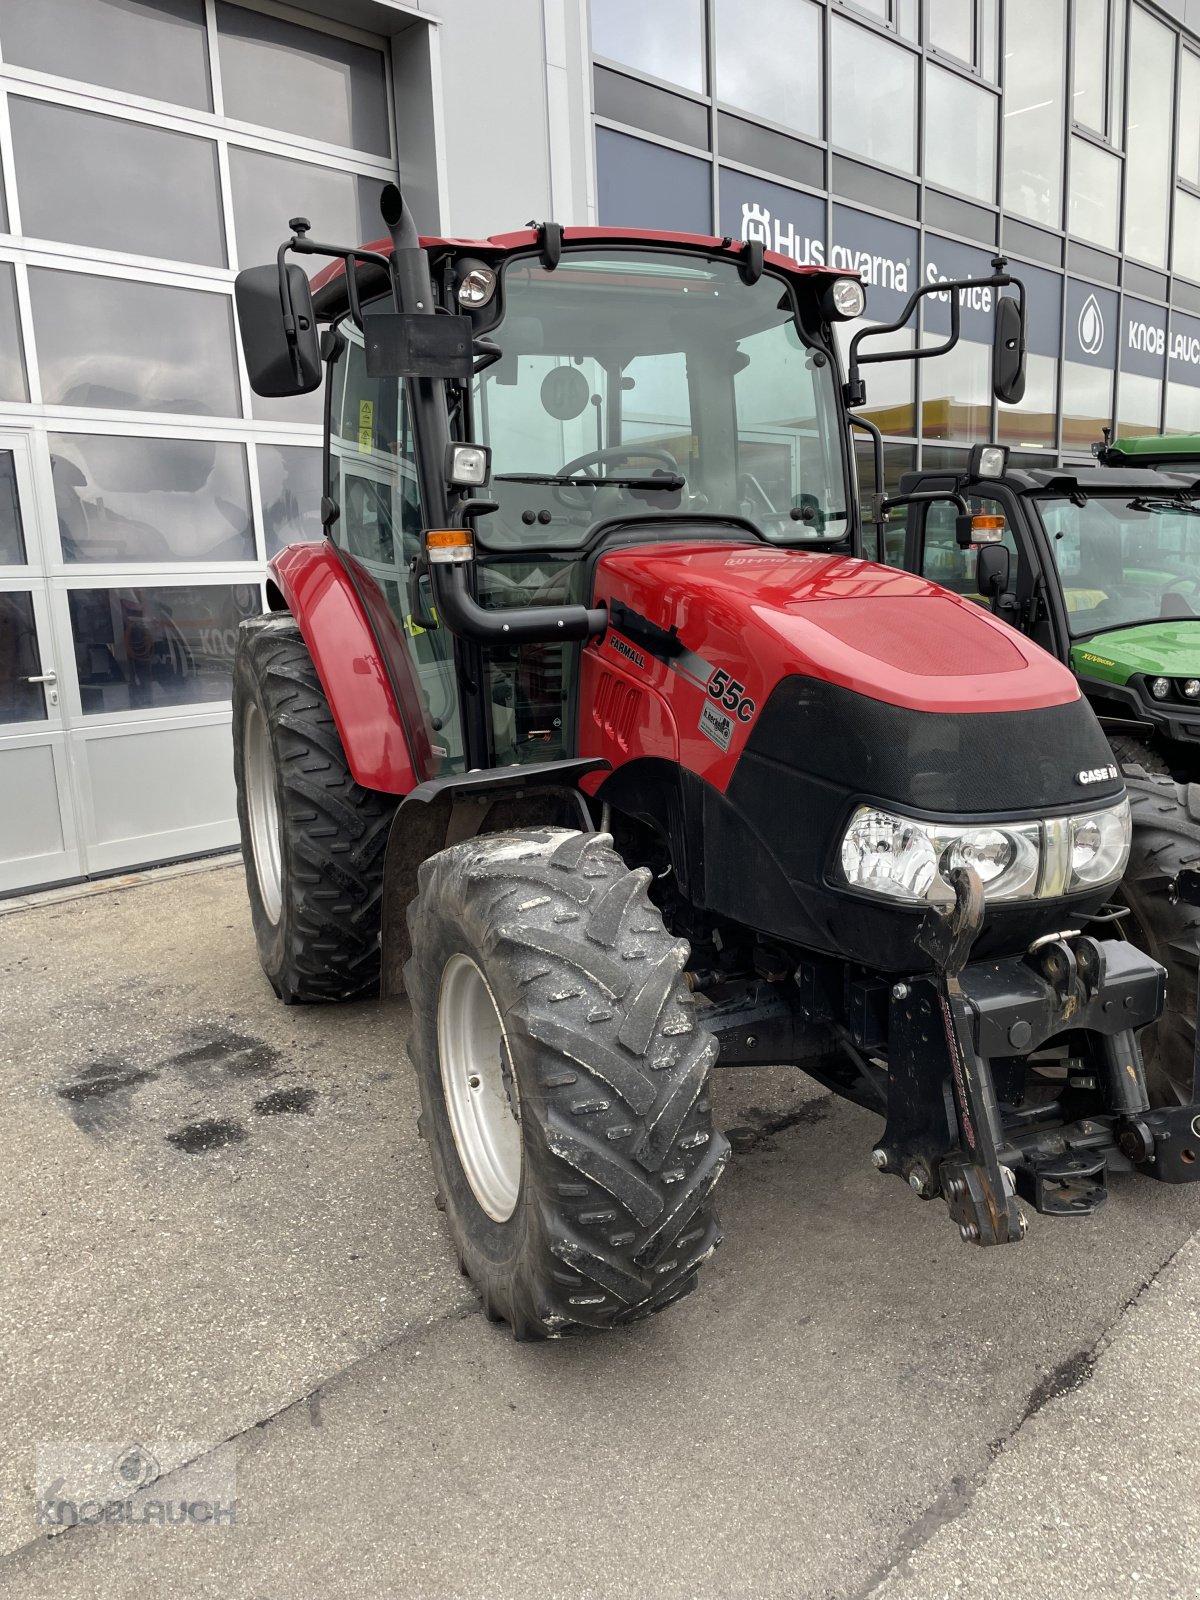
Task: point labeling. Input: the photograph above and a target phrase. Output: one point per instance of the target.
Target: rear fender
(363, 664)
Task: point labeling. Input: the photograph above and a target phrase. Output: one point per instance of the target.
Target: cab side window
(944, 562)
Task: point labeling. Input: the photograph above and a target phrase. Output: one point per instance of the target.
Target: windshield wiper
(664, 480)
(1142, 503)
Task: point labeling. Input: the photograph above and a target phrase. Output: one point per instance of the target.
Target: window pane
(96, 180)
(314, 84)
(1034, 421)
(769, 60)
(12, 535)
(155, 49)
(142, 648)
(1116, 74)
(289, 481)
(950, 27)
(299, 408)
(965, 162)
(1148, 140)
(881, 10)
(890, 387)
(1033, 109)
(1091, 66)
(108, 342)
(269, 190)
(1087, 404)
(12, 361)
(139, 499)
(873, 97)
(1138, 403)
(665, 40)
(20, 658)
(956, 400)
(1183, 408)
(1189, 119)
(1095, 194)
(988, 42)
(1187, 235)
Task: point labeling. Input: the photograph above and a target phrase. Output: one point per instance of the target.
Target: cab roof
(1154, 449)
(329, 284)
(1063, 480)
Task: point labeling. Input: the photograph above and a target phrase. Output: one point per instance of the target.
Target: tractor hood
(1159, 649)
(754, 697)
(765, 614)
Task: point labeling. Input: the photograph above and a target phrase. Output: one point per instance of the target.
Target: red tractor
(585, 728)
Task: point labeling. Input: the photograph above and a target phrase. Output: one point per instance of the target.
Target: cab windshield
(1125, 561)
(631, 383)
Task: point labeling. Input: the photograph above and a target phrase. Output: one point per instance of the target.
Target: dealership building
(151, 148)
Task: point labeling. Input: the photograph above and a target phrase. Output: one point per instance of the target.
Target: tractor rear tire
(1166, 838)
(564, 1081)
(313, 840)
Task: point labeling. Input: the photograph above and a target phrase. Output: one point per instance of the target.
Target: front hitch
(979, 1190)
(953, 1033)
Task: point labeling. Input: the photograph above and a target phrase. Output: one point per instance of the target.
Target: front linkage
(957, 1119)
(999, 1080)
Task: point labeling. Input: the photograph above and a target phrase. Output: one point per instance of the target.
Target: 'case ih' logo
(716, 725)
(1097, 775)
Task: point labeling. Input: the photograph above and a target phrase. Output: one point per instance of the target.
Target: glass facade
(911, 141)
(148, 150)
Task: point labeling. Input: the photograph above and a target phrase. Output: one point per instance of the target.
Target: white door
(38, 838)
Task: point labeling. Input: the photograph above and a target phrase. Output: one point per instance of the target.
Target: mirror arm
(879, 498)
(928, 498)
(352, 257)
(855, 390)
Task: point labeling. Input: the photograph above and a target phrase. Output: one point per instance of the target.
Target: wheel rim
(481, 1091)
(262, 804)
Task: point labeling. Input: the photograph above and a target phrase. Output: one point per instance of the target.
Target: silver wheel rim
(481, 1091)
(262, 804)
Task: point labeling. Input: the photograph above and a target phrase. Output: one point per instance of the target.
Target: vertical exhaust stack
(410, 265)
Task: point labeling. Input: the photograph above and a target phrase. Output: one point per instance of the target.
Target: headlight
(1191, 688)
(904, 859)
(1160, 688)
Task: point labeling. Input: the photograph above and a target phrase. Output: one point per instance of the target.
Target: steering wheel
(581, 499)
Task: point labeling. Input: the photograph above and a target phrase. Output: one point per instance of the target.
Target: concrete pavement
(218, 1226)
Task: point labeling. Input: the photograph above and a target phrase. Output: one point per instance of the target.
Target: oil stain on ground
(297, 1101)
(213, 1134)
(102, 1097)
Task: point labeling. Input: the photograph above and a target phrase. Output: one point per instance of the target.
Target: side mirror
(992, 566)
(1008, 352)
(279, 330)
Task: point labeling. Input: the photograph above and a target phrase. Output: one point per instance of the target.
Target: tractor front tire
(564, 1081)
(1166, 838)
(313, 840)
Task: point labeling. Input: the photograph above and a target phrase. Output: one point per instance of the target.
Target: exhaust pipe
(410, 264)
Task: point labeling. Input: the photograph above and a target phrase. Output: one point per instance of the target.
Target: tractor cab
(1100, 566)
(630, 389)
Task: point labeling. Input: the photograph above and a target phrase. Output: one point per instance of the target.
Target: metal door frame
(56, 657)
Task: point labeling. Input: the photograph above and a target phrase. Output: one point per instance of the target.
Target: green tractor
(1101, 566)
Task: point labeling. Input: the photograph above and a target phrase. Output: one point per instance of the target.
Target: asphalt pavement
(219, 1253)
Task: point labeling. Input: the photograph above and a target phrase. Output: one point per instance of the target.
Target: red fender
(359, 652)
